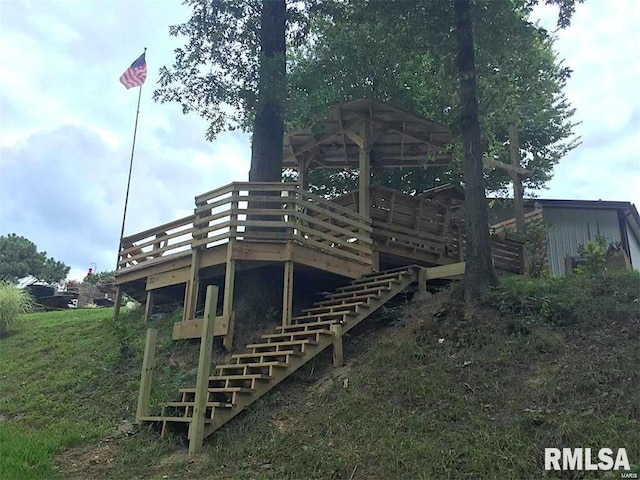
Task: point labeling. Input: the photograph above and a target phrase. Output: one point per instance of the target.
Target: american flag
(135, 74)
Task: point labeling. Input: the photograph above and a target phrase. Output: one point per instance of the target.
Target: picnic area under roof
(395, 138)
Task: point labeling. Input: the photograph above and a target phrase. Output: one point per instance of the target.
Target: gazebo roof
(397, 138)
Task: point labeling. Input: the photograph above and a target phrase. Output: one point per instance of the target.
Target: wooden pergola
(366, 134)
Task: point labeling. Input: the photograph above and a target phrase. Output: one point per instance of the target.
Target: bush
(13, 302)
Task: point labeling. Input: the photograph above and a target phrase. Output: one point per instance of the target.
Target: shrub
(13, 302)
(594, 255)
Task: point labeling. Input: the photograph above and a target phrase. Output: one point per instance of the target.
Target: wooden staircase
(250, 375)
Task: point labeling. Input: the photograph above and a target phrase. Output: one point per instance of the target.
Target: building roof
(399, 138)
(628, 209)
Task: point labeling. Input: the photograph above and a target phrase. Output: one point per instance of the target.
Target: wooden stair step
(320, 309)
(281, 353)
(368, 285)
(282, 344)
(191, 404)
(376, 291)
(250, 376)
(381, 276)
(220, 390)
(170, 419)
(340, 313)
(237, 366)
(291, 335)
(406, 268)
(339, 301)
(324, 323)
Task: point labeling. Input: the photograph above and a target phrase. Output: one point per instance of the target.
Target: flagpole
(126, 198)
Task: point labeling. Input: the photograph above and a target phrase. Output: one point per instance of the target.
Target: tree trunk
(260, 291)
(480, 274)
(268, 125)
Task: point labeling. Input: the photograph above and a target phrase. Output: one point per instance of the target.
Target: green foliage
(19, 257)
(415, 69)
(13, 302)
(100, 277)
(569, 300)
(216, 74)
(594, 255)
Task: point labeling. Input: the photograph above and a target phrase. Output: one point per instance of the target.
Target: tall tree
(479, 274)
(233, 72)
(268, 125)
(19, 257)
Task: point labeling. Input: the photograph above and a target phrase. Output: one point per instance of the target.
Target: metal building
(572, 223)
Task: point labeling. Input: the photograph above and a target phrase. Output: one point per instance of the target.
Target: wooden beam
(303, 173)
(422, 281)
(518, 201)
(287, 293)
(401, 129)
(193, 328)
(148, 307)
(364, 181)
(444, 271)
(229, 283)
(117, 302)
(489, 163)
(227, 341)
(193, 286)
(196, 427)
(230, 267)
(338, 356)
(148, 363)
(165, 279)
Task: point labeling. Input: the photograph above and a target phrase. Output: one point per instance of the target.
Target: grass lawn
(425, 394)
(57, 377)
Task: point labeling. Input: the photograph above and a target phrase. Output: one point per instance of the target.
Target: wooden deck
(246, 225)
(274, 222)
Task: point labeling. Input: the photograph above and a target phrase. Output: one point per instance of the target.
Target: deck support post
(364, 179)
(148, 308)
(196, 426)
(117, 301)
(338, 357)
(148, 363)
(375, 261)
(422, 280)
(287, 293)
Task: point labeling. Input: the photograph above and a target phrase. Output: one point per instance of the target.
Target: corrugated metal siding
(634, 248)
(568, 228)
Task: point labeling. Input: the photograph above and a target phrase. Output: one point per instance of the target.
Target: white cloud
(602, 47)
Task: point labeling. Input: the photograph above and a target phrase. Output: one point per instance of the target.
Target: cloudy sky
(67, 123)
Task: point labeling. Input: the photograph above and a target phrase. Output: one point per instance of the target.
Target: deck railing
(403, 221)
(422, 229)
(251, 211)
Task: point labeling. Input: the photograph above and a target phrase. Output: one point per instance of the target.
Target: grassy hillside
(425, 394)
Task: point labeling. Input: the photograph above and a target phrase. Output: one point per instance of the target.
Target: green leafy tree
(232, 72)
(519, 79)
(19, 257)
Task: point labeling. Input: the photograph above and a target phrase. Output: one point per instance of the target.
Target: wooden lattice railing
(250, 211)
